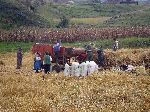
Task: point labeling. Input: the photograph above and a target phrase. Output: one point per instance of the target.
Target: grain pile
(24, 91)
(135, 57)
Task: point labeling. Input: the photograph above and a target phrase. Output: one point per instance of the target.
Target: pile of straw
(135, 57)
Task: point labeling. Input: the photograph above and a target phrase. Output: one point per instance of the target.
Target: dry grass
(24, 91)
(89, 20)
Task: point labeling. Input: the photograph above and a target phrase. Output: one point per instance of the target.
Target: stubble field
(108, 91)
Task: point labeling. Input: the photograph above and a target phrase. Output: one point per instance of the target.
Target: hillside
(135, 18)
(85, 11)
(14, 14)
(90, 13)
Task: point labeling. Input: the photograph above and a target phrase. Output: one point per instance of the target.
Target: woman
(37, 63)
(47, 62)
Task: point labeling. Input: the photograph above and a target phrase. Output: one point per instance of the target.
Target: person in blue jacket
(37, 62)
(56, 47)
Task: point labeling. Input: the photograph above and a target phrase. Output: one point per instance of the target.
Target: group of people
(38, 64)
(100, 52)
(47, 60)
(72, 34)
(46, 64)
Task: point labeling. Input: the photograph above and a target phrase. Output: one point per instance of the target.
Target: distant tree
(32, 8)
(63, 23)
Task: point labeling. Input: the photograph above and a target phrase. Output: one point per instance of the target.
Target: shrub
(63, 23)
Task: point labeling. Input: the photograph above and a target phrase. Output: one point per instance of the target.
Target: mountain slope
(13, 14)
(135, 18)
(87, 13)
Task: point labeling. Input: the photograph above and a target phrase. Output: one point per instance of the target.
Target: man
(56, 47)
(89, 51)
(19, 58)
(101, 57)
(115, 45)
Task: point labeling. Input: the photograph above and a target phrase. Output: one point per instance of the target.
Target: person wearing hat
(19, 58)
(89, 51)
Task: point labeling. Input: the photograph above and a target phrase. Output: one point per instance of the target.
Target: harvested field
(108, 91)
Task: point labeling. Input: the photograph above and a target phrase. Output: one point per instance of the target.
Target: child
(37, 62)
